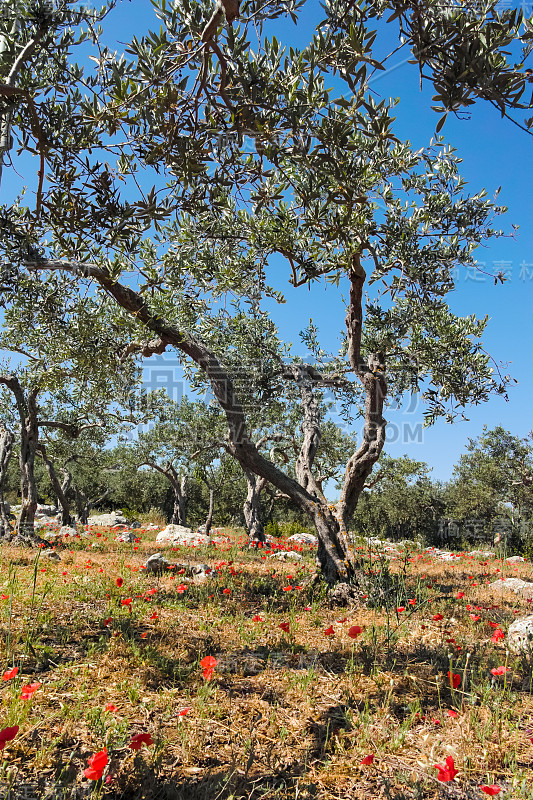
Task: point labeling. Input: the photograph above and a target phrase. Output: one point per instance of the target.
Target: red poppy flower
(181, 588)
(475, 617)
(497, 635)
(454, 679)
(448, 772)
(340, 621)
(120, 581)
(127, 601)
(400, 609)
(154, 615)
(368, 759)
(139, 739)
(110, 707)
(460, 595)
(183, 712)
(96, 765)
(10, 674)
(412, 602)
(257, 618)
(284, 626)
(355, 631)
(226, 591)
(499, 670)
(329, 631)
(7, 734)
(287, 588)
(437, 617)
(29, 690)
(491, 790)
(208, 665)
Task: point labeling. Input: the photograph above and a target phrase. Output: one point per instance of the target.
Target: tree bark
(179, 487)
(66, 518)
(252, 509)
(29, 439)
(6, 450)
(84, 505)
(209, 520)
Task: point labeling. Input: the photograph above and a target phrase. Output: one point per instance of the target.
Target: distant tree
(399, 500)
(493, 479)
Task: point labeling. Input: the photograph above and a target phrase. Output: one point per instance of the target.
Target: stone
(304, 538)
(107, 520)
(201, 570)
(46, 510)
(520, 635)
(284, 555)
(512, 584)
(68, 532)
(179, 535)
(514, 559)
(127, 537)
(51, 554)
(156, 564)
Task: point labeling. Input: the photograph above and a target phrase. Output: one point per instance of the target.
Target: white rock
(179, 535)
(66, 531)
(303, 538)
(128, 537)
(284, 555)
(520, 635)
(107, 520)
(512, 584)
(514, 559)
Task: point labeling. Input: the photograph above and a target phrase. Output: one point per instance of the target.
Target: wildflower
(184, 711)
(110, 708)
(10, 674)
(96, 765)
(154, 615)
(475, 617)
(7, 734)
(181, 588)
(412, 602)
(452, 713)
(448, 772)
(287, 588)
(257, 618)
(437, 617)
(454, 679)
(497, 635)
(400, 609)
(226, 591)
(284, 626)
(208, 665)
(491, 790)
(29, 690)
(460, 595)
(355, 631)
(139, 739)
(120, 581)
(329, 631)
(127, 601)
(499, 670)
(368, 759)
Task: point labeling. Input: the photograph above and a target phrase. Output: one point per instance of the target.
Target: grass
(287, 714)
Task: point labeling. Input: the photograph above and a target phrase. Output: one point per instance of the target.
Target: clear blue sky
(495, 153)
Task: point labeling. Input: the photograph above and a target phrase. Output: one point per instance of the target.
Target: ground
(313, 709)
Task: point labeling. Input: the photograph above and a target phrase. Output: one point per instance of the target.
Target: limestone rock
(520, 635)
(66, 531)
(179, 535)
(107, 520)
(516, 585)
(284, 555)
(304, 538)
(514, 559)
(127, 536)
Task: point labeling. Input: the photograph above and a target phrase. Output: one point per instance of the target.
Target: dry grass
(285, 715)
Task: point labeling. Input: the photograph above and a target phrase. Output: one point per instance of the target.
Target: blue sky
(495, 153)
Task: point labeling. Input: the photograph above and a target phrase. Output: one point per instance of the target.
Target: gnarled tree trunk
(66, 517)
(6, 450)
(209, 520)
(252, 509)
(179, 487)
